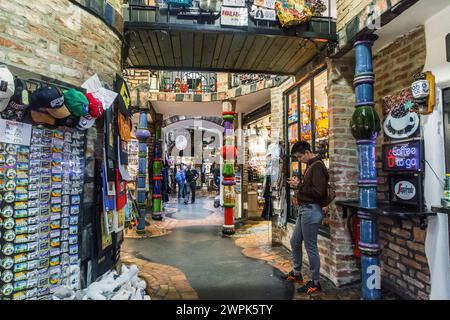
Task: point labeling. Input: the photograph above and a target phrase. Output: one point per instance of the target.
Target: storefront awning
(158, 41)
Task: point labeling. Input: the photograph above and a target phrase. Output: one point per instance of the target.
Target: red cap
(95, 106)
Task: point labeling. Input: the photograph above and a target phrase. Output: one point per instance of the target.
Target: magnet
(7, 289)
(21, 190)
(55, 233)
(22, 222)
(8, 262)
(22, 167)
(45, 228)
(44, 263)
(22, 197)
(9, 197)
(56, 177)
(55, 242)
(57, 185)
(55, 216)
(64, 247)
(73, 239)
(33, 195)
(10, 185)
(56, 200)
(56, 208)
(74, 210)
(20, 276)
(8, 249)
(47, 150)
(33, 228)
(7, 276)
(44, 237)
(11, 174)
(47, 180)
(32, 204)
(33, 180)
(7, 212)
(66, 200)
(65, 223)
(2, 159)
(55, 225)
(73, 230)
(21, 230)
(64, 235)
(9, 223)
(44, 211)
(55, 252)
(9, 235)
(22, 213)
(73, 249)
(11, 149)
(21, 285)
(73, 220)
(65, 211)
(10, 161)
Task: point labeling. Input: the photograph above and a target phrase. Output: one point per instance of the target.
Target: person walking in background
(180, 179)
(191, 183)
(312, 195)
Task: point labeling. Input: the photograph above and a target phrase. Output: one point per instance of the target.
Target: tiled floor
(254, 238)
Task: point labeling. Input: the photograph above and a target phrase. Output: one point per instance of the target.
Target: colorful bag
(295, 12)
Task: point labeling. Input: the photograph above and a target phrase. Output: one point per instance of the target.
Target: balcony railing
(243, 79)
(187, 82)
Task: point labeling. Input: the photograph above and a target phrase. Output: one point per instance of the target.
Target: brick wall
(57, 39)
(348, 9)
(404, 264)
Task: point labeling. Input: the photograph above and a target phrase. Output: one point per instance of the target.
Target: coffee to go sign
(406, 156)
(232, 16)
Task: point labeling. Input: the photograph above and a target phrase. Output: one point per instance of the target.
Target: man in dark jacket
(312, 192)
(191, 183)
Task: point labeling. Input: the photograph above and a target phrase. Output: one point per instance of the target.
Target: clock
(181, 142)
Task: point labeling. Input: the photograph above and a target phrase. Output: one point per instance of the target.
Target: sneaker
(310, 288)
(291, 276)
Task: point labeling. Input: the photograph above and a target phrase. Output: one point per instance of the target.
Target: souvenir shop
(63, 182)
(306, 121)
(257, 126)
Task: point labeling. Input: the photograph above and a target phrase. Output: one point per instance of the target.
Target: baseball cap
(7, 87)
(42, 118)
(76, 102)
(49, 99)
(17, 108)
(86, 122)
(95, 106)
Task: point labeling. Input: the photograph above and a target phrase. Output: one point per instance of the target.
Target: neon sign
(402, 156)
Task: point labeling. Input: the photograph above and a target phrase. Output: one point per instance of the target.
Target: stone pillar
(365, 127)
(228, 159)
(157, 174)
(142, 134)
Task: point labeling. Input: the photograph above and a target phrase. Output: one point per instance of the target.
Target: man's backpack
(331, 193)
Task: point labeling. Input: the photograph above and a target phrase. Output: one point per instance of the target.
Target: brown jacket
(313, 188)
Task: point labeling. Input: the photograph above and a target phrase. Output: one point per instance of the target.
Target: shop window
(307, 121)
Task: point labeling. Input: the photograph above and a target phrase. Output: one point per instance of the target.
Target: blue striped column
(365, 127)
(142, 134)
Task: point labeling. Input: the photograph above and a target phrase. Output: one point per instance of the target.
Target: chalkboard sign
(406, 156)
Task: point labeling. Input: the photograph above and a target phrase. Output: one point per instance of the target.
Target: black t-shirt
(191, 175)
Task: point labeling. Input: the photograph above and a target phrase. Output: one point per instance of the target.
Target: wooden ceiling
(223, 52)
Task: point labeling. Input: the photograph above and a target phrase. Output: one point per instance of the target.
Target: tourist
(180, 179)
(312, 194)
(191, 183)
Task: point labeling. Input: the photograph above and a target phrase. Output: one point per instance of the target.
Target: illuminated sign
(405, 156)
(406, 190)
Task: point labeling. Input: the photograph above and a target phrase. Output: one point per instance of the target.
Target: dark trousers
(190, 188)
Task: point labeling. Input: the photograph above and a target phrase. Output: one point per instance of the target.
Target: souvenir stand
(63, 197)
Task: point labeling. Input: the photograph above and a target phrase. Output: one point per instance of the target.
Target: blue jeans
(306, 230)
(180, 191)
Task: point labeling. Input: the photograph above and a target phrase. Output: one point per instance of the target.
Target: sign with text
(234, 16)
(234, 3)
(404, 156)
(406, 190)
(15, 132)
(263, 14)
(265, 3)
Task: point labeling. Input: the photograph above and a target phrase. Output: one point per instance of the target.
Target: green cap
(76, 102)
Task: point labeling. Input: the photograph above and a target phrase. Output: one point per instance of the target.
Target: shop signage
(234, 3)
(265, 3)
(15, 132)
(234, 16)
(263, 14)
(406, 190)
(402, 156)
(94, 86)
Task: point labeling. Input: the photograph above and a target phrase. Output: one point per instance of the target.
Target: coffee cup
(401, 123)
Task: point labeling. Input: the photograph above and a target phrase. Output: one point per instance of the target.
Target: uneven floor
(186, 257)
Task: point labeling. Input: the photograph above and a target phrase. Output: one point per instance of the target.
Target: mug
(420, 89)
(399, 124)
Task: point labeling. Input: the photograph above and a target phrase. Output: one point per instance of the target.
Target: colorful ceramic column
(365, 127)
(142, 134)
(228, 158)
(157, 175)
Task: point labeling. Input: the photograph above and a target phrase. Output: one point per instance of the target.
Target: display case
(306, 121)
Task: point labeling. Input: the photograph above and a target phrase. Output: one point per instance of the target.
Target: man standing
(191, 183)
(312, 194)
